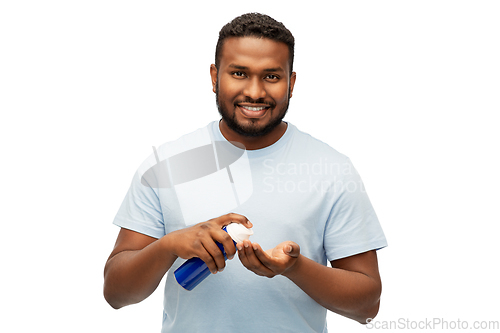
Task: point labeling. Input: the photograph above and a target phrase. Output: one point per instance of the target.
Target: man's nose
(255, 89)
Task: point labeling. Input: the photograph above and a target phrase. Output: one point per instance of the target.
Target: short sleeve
(352, 226)
(140, 211)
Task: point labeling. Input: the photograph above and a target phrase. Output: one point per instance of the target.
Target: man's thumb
(292, 249)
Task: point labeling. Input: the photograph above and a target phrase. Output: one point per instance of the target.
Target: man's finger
(292, 249)
(261, 255)
(249, 259)
(227, 243)
(233, 217)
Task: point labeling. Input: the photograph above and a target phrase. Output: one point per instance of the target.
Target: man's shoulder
(199, 137)
(187, 142)
(313, 146)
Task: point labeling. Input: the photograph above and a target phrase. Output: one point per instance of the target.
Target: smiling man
(253, 83)
(314, 213)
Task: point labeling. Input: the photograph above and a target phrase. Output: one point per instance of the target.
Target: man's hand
(199, 241)
(138, 262)
(268, 263)
(355, 293)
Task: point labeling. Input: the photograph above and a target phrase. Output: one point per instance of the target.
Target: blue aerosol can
(193, 271)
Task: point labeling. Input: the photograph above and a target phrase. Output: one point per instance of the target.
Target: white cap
(238, 232)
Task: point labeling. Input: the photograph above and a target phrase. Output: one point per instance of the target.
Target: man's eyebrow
(274, 69)
(238, 67)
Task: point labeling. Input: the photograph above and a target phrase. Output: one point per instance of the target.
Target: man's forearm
(351, 294)
(131, 276)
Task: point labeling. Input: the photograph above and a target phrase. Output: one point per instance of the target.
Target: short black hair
(256, 25)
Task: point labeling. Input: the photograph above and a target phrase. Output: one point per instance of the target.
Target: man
(304, 201)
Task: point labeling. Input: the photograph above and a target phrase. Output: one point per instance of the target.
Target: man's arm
(138, 262)
(351, 287)
(134, 269)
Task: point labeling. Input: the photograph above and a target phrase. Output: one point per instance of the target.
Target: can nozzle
(238, 232)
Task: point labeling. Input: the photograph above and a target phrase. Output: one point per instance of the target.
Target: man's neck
(250, 142)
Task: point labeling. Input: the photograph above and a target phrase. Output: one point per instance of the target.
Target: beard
(251, 130)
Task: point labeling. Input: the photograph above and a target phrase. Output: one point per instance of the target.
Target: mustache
(255, 101)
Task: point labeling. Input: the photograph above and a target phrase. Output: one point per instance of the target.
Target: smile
(252, 108)
(253, 111)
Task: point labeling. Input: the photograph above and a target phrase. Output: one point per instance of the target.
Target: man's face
(253, 84)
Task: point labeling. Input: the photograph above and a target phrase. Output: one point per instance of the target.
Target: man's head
(259, 26)
(252, 77)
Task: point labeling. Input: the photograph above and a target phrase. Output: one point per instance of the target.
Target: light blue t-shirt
(297, 189)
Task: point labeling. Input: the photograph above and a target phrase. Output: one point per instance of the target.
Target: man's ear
(213, 74)
(292, 82)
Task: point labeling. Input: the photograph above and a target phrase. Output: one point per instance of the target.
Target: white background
(408, 89)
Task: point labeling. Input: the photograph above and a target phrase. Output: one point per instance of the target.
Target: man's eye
(239, 74)
(272, 77)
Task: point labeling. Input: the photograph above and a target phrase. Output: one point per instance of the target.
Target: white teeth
(251, 108)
